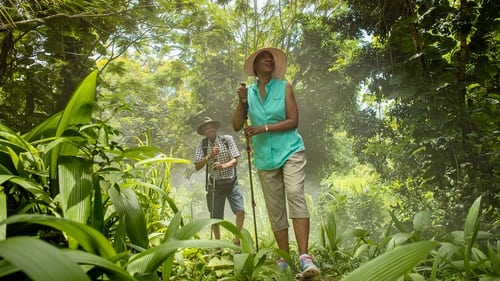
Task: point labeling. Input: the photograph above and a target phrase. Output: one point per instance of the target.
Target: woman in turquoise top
(278, 149)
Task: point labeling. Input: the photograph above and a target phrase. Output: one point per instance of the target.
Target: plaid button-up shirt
(227, 151)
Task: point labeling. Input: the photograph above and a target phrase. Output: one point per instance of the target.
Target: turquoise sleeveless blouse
(271, 149)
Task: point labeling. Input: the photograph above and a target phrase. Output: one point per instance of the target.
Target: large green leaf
(112, 270)
(471, 229)
(11, 139)
(78, 111)
(40, 260)
(173, 226)
(330, 229)
(391, 265)
(46, 129)
(90, 239)
(129, 208)
(472, 223)
(75, 186)
(30, 186)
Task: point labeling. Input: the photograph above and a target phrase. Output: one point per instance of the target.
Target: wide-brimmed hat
(279, 60)
(206, 121)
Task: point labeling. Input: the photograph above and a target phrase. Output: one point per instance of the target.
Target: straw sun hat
(206, 121)
(279, 60)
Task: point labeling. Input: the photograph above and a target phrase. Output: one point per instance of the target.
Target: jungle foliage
(399, 103)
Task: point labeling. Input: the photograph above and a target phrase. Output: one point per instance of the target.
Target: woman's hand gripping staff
(242, 115)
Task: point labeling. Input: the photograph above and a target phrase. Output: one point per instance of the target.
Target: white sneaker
(307, 267)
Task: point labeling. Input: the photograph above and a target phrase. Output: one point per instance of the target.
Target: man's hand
(214, 152)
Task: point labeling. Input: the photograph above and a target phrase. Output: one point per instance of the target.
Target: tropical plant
(426, 254)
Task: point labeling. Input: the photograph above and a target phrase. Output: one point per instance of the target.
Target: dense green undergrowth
(74, 205)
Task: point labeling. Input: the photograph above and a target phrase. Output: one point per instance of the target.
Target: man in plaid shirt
(220, 155)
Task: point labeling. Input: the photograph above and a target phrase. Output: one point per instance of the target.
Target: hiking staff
(249, 152)
(213, 203)
(207, 186)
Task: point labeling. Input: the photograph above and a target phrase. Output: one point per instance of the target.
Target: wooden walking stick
(210, 188)
(249, 152)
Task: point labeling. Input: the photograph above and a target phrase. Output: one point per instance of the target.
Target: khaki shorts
(282, 185)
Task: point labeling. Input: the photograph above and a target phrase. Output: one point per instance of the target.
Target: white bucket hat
(279, 60)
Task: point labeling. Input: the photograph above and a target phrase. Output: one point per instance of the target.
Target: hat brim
(279, 60)
(201, 128)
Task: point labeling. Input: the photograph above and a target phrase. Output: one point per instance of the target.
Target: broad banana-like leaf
(78, 111)
(391, 265)
(90, 239)
(75, 187)
(40, 260)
